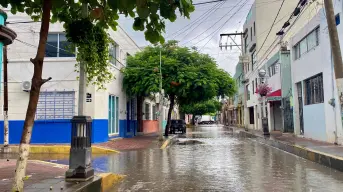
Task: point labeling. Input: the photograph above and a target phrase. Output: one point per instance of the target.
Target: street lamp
(263, 75)
(80, 160)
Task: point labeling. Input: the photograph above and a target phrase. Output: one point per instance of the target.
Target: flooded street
(217, 161)
(221, 163)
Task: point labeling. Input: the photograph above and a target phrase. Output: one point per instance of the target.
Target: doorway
(300, 101)
(277, 115)
(113, 114)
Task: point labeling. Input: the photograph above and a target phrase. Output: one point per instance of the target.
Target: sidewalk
(323, 153)
(36, 172)
(138, 142)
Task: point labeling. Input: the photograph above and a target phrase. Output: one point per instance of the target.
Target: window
(246, 44)
(306, 44)
(253, 87)
(255, 84)
(253, 59)
(147, 111)
(313, 90)
(154, 112)
(250, 33)
(113, 53)
(58, 46)
(56, 105)
(273, 69)
(254, 29)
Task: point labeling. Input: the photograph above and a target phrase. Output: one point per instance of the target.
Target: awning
(276, 93)
(274, 96)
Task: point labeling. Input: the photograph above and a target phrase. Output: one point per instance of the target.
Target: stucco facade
(262, 51)
(321, 121)
(113, 113)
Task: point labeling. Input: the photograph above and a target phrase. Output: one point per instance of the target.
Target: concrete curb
(60, 149)
(108, 180)
(332, 161)
(171, 140)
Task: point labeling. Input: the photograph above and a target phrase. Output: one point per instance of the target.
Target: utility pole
(83, 77)
(6, 128)
(244, 61)
(336, 53)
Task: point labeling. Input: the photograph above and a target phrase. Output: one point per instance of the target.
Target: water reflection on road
(222, 163)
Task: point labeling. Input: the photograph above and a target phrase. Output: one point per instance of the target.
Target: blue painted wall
(127, 129)
(314, 122)
(53, 131)
(100, 131)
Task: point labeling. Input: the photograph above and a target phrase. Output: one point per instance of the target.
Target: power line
(209, 27)
(271, 27)
(203, 20)
(213, 33)
(188, 26)
(207, 2)
(269, 50)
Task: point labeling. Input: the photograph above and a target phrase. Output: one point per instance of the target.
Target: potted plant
(263, 89)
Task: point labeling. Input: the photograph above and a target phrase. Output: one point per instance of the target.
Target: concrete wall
(321, 121)
(64, 78)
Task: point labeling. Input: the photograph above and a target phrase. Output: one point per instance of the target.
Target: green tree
(89, 35)
(188, 76)
(201, 108)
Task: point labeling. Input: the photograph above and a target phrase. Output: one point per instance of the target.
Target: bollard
(80, 159)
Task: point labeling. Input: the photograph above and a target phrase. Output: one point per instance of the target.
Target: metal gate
(287, 115)
(300, 100)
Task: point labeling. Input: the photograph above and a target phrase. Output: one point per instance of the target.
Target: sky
(203, 30)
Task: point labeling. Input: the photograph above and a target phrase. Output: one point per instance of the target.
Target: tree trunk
(193, 119)
(171, 107)
(37, 82)
(139, 114)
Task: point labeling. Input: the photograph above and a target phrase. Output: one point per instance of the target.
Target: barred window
(147, 111)
(56, 105)
(314, 91)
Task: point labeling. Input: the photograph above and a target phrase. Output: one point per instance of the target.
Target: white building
(267, 50)
(113, 113)
(313, 80)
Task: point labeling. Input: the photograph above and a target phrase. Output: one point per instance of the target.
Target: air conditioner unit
(26, 86)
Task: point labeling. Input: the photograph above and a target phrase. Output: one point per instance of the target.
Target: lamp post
(80, 158)
(7, 37)
(263, 76)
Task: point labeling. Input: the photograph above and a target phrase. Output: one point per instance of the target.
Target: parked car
(177, 125)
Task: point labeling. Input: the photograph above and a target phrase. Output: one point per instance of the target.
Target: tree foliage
(187, 76)
(186, 73)
(201, 108)
(89, 34)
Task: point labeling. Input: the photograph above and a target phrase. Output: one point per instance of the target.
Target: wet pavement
(218, 162)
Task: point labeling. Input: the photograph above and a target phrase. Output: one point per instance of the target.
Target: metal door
(300, 100)
(287, 115)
